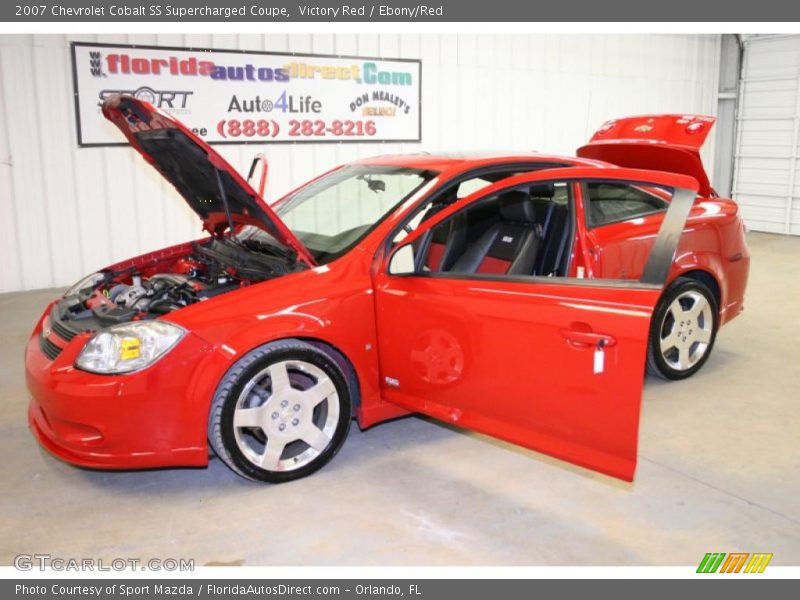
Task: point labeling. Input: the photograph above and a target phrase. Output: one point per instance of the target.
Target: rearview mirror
(402, 261)
(377, 185)
(374, 184)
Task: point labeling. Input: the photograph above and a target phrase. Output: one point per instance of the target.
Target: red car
(518, 295)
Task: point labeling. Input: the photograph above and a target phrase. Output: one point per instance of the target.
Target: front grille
(49, 349)
(60, 330)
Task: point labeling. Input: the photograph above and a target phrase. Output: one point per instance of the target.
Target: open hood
(657, 142)
(205, 180)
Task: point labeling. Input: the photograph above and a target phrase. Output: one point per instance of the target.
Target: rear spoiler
(655, 142)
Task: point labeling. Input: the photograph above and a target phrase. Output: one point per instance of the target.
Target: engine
(156, 295)
(170, 283)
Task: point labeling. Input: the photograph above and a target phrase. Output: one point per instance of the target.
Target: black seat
(554, 219)
(510, 246)
(556, 246)
(542, 198)
(448, 239)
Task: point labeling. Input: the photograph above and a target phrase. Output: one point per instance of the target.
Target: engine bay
(160, 283)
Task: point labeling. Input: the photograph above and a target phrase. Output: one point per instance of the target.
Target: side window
(524, 231)
(613, 202)
(461, 190)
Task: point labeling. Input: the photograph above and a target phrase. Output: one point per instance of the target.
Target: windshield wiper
(280, 251)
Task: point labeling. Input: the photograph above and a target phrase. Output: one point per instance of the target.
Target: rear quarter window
(613, 202)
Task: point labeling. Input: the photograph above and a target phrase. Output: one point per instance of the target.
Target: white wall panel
(766, 169)
(66, 211)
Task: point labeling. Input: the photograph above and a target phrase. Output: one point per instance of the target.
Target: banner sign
(240, 97)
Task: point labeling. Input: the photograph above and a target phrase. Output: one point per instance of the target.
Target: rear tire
(281, 412)
(683, 330)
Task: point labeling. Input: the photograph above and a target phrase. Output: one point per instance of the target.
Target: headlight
(128, 347)
(88, 281)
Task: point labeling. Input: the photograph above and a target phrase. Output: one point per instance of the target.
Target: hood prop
(224, 197)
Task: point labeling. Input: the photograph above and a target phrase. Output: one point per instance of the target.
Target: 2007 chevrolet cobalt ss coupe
(521, 296)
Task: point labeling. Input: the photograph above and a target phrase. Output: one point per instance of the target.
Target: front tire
(281, 412)
(683, 330)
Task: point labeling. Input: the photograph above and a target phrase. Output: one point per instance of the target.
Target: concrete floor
(719, 470)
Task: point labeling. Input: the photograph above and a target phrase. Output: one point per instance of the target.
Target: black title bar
(737, 588)
(282, 11)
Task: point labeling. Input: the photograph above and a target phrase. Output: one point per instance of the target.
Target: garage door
(766, 178)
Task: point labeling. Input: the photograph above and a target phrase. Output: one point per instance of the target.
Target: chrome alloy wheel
(686, 330)
(286, 415)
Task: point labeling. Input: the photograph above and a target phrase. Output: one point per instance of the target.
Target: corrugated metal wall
(767, 172)
(67, 211)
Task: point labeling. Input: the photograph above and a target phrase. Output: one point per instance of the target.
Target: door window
(522, 231)
(460, 189)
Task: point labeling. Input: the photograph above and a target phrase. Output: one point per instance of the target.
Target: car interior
(519, 232)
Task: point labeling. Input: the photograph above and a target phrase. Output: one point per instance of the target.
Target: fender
(293, 306)
(706, 262)
(280, 327)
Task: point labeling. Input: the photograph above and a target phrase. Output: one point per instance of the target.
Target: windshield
(332, 214)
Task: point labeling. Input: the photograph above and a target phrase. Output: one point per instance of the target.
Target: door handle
(588, 338)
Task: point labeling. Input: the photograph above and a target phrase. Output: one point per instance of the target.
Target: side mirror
(402, 261)
(257, 175)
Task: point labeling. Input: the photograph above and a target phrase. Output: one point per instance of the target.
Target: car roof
(453, 162)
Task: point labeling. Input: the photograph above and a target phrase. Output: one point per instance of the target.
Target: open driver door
(554, 364)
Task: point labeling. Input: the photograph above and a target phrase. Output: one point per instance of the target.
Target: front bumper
(142, 420)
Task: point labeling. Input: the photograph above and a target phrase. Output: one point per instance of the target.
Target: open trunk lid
(205, 180)
(658, 142)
